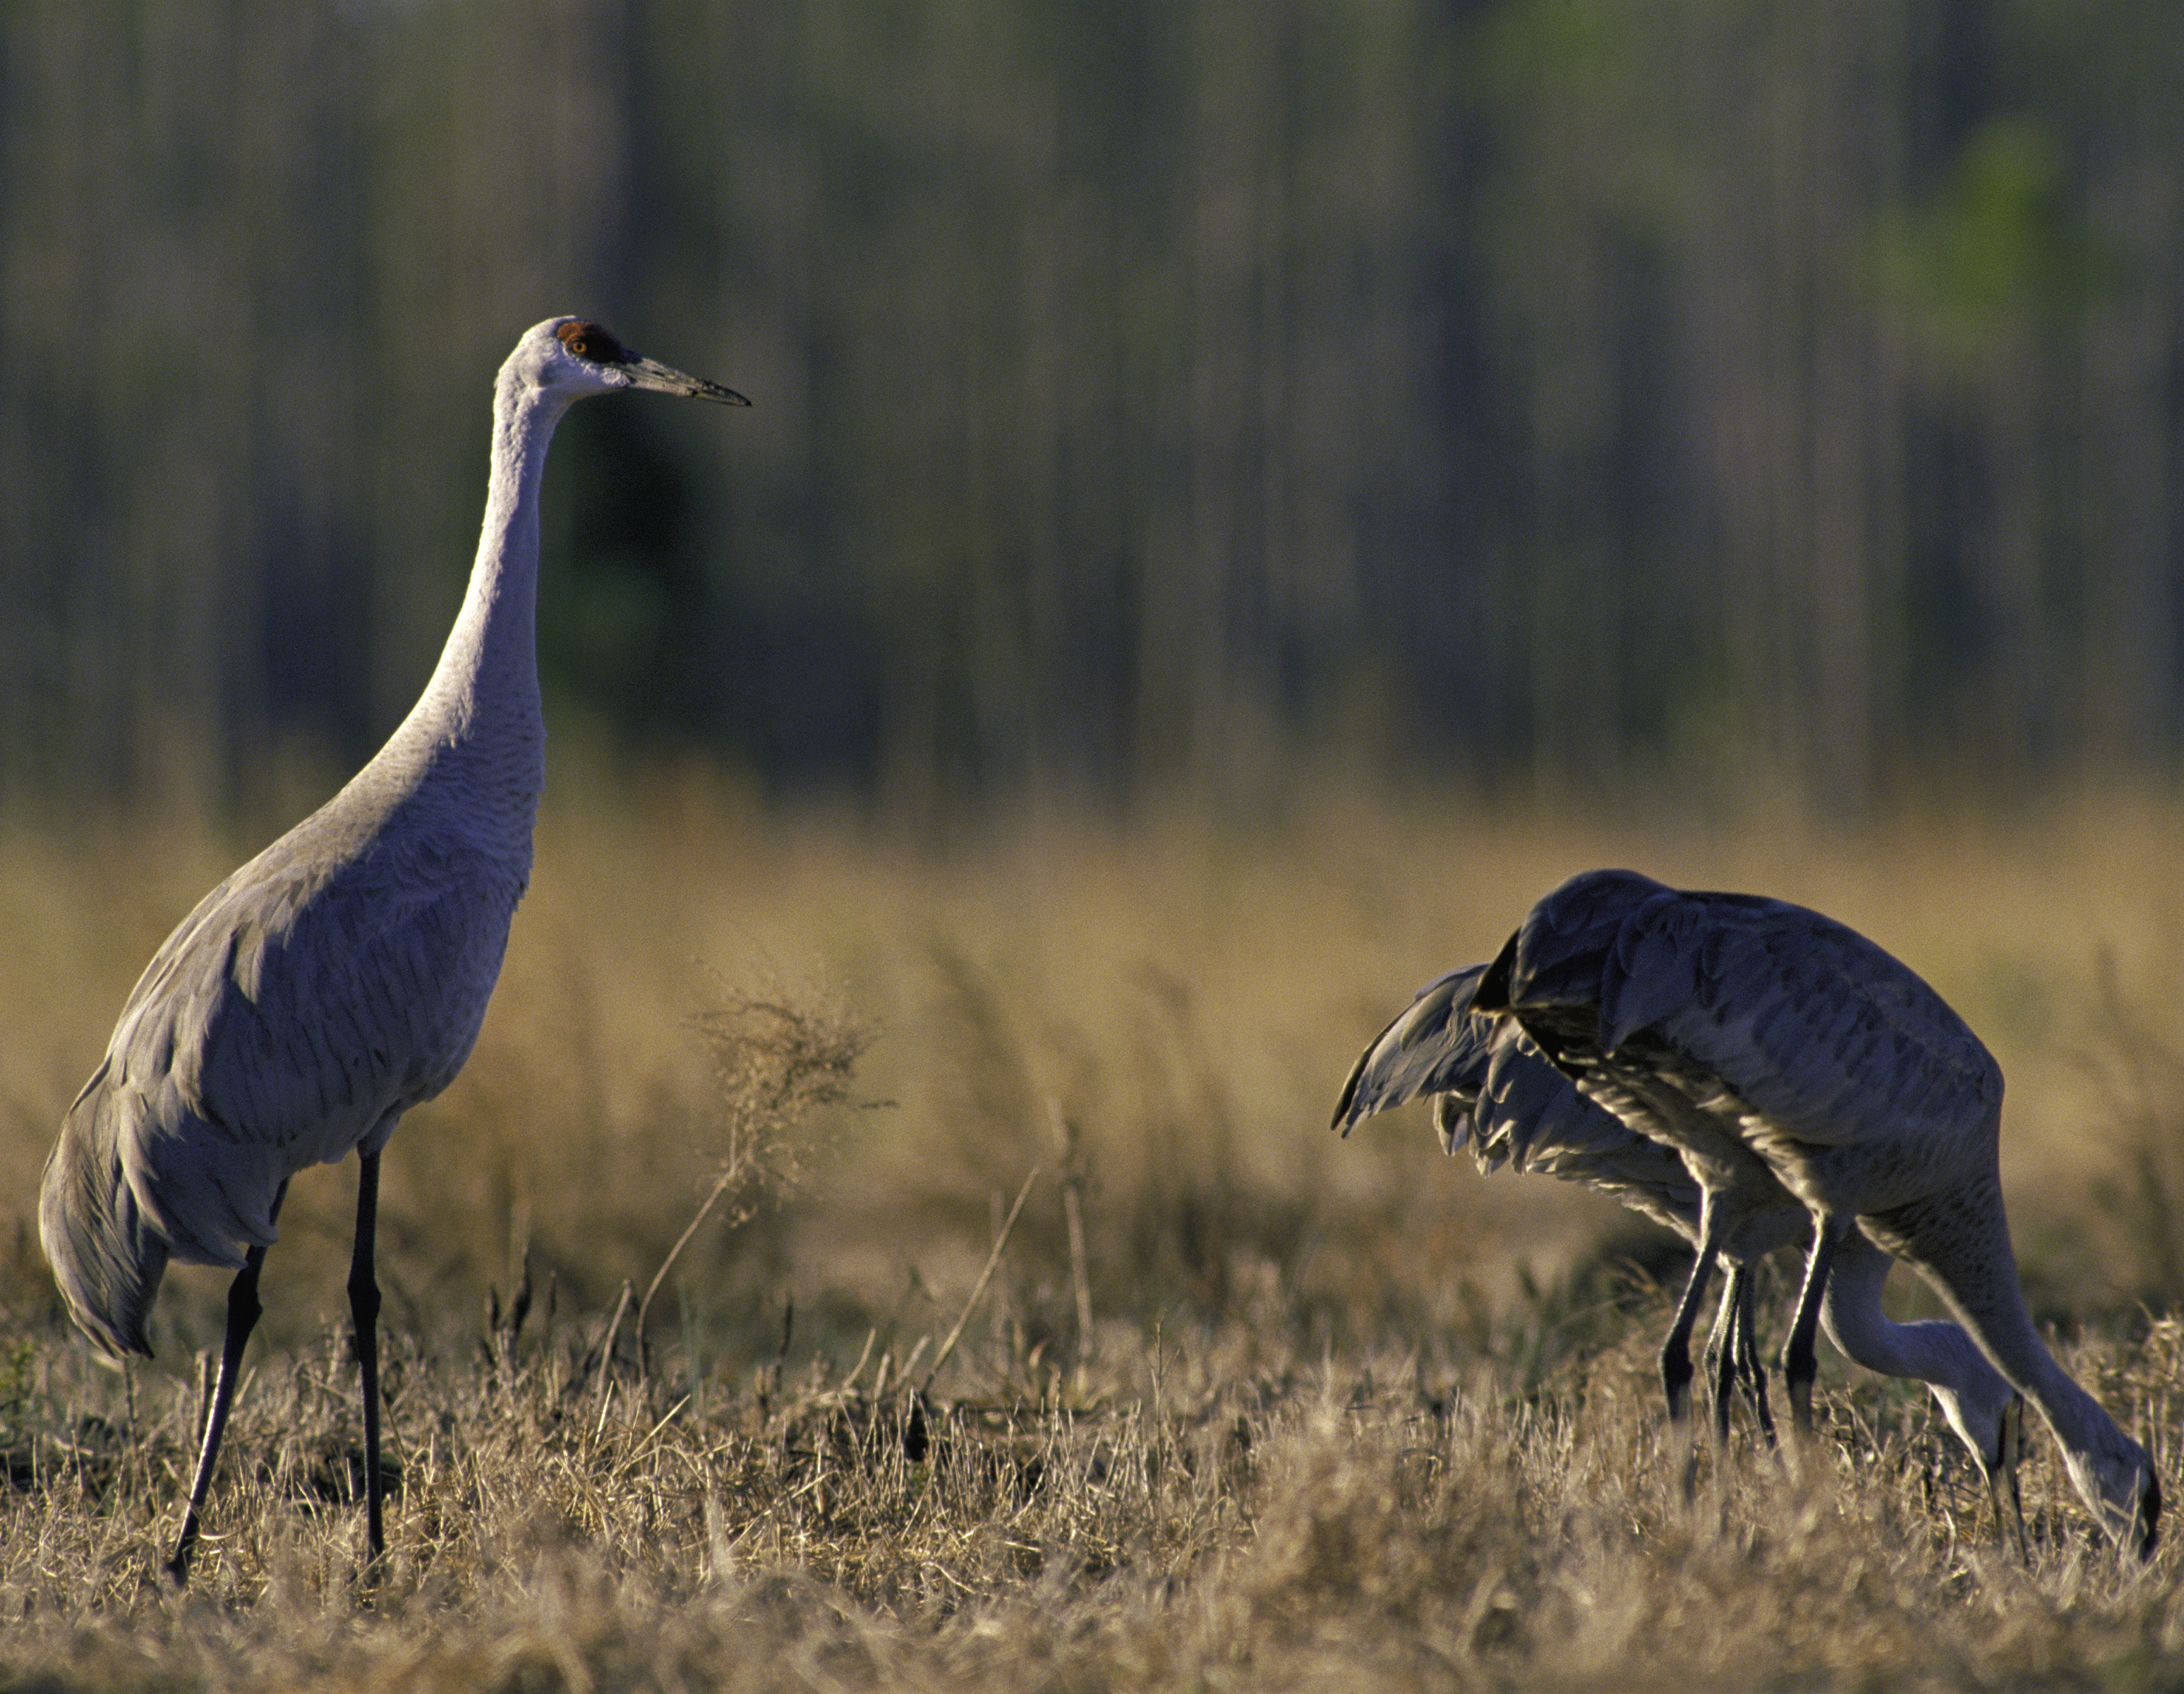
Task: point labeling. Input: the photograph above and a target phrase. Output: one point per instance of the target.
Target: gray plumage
(340, 977)
(1764, 1023)
(330, 984)
(1492, 1087)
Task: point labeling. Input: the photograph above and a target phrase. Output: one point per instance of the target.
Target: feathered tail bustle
(105, 1254)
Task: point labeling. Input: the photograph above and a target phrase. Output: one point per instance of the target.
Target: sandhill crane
(1867, 1096)
(1491, 1087)
(339, 978)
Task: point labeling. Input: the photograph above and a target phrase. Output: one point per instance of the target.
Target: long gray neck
(1973, 1395)
(487, 676)
(1965, 1254)
(1993, 1309)
(478, 727)
(1856, 1322)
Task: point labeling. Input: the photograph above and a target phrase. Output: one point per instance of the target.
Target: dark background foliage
(1516, 394)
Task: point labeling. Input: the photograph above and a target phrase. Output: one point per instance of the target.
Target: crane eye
(592, 342)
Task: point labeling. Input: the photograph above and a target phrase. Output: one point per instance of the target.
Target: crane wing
(1492, 1087)
(308, 1002)
(1822, 1036)
(1433, 1047)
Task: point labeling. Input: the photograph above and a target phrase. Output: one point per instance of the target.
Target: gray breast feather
(300, 1009)
(1531, 1114)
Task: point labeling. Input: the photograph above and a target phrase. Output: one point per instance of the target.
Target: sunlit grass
(1348, 1410)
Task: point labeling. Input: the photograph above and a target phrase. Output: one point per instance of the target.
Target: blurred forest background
(1523, 396)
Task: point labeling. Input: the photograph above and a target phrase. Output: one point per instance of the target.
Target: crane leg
(1800, 1362)
(242, 1314)
(2001, 1478)
(1722, 1359)
(1749, 1369)
(1676, 1350)
(364, 1309)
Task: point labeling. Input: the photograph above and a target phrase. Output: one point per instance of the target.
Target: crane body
(1492, 1087)
(340, 977)
(1865, 1095)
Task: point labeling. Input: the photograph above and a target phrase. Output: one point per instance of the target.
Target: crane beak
(664, 379)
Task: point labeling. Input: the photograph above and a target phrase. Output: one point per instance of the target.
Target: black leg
(364, 1308)
(242, 1314)
(1800, 1363)
(1676, 1350)
(1751, 1372)
(1722, 1353)
(2001, 1478)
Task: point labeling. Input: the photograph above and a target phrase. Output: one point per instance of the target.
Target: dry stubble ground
(1348, 1414)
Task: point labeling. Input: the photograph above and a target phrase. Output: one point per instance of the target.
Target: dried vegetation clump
(1185, 1523)
(1230, 1403)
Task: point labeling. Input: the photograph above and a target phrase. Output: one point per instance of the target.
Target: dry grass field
(1346, 1414)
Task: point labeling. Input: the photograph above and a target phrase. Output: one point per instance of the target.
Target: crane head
(2116, 1479)
(576, 357)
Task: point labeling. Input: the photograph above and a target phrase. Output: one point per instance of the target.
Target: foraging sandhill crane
(1867, 1096)
(1492, 1087)
(338, 978)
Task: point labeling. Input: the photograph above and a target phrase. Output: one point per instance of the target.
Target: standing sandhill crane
(1867, 1096)
(1491, 1086)
(338, 978)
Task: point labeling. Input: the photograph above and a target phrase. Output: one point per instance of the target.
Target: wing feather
(302, 1007)
(1493, 1088)
(1434, 1046)
(1824, 1037)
